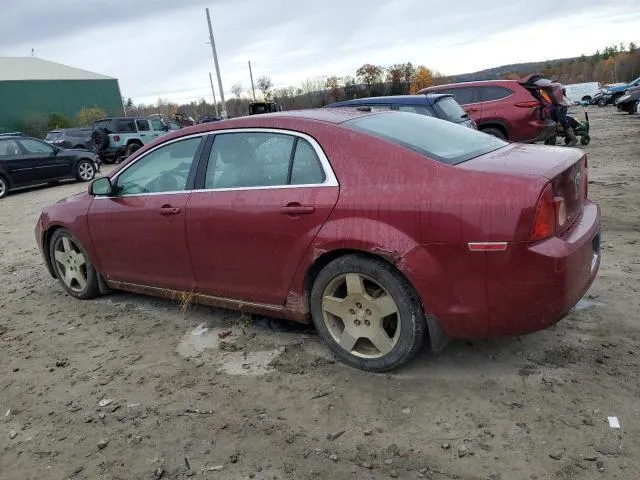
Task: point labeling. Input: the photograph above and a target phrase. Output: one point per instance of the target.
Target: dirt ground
(132, 387)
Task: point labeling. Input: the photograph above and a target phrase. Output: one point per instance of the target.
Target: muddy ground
(267, 402)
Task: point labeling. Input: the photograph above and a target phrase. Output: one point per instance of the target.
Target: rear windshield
(450, 110)
(53, 135)
(437, 139)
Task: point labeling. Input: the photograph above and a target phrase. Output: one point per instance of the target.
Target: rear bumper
(532, 286)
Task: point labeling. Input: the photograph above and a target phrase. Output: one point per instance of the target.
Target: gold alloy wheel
(361, 316)
(71, 264)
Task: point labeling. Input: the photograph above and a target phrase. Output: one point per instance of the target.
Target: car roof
(477, 83)
(333, 115)
(429, 99)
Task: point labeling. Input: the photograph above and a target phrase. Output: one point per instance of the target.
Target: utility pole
(253, 89)
(215, 60)
(213, 90)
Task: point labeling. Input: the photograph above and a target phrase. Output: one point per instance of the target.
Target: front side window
(261, 159)
(165, 169)
(143, 125)
(9, 148)
(443, 141)
(36, 147)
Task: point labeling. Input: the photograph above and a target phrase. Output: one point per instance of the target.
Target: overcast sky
(158, 48)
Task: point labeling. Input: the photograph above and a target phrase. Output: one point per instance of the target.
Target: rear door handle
(297, 209)
(167, 210)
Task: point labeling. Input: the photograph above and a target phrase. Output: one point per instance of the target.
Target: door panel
(266, 196)
(246, 244)
(141, 239)
(47, 164)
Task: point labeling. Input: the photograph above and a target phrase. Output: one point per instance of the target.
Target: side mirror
(101, 187)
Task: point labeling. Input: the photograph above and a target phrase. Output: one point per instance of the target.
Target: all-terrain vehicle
(580, 129)
(116, 138)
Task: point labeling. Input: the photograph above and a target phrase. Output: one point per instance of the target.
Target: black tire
(551, 140)
(85, 170)
(496, 132)
(4, 186)
(585, 139)
(100, 139)
(91, 288)
(586, 98)
(131, 148)
(615, 98)
(108, 160)
(410, 319)
(602, 102)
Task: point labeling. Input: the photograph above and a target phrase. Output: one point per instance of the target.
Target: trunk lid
(565, 168)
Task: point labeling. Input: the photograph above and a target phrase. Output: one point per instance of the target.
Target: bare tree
(264, 85)
(236, 89)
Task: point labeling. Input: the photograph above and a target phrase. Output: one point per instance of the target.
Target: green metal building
(32, 88)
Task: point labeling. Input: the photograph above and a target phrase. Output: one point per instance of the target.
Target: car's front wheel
(367, 313)
(85, 170)
(72, 265)
(495, 132)
(4, 187)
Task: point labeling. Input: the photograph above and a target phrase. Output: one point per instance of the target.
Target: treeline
(616, 63)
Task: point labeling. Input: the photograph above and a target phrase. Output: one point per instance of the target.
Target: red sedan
(382, 228)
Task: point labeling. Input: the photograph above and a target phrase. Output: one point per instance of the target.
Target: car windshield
(449, 109)
(437, 139)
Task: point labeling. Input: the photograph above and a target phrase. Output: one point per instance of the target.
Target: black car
(26, 161)
(70, 137)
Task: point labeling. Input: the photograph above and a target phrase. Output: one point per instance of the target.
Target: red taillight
(544, 222)
(530, 104)
(116, 138)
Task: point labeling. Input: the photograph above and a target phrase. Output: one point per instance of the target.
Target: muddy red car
(383, 229)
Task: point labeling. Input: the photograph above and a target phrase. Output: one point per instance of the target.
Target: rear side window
(494, 93)
(125, 126)
(420, 109)
(143, 125)
(450, 110)
(443, 141)
(106, 124)
(306, 168)
(464, 95)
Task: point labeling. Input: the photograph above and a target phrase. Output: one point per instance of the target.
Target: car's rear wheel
(4, 187)
(132, 147)
(496, 132)
(602, 102)
(72, 265)
(85, 170)
(367, 313)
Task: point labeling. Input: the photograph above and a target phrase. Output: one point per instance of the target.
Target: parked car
(207, 119)
(432, 105)
(629, 101)
(582, 92)
(508, 109)
(257, 108)
(70, 137)
(614, 92)
(358, 221)
(26, 161)
(115, 138)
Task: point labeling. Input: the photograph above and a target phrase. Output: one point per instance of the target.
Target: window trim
(330, 179)
(196, 161)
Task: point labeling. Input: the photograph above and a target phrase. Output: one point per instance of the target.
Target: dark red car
(508, 109)
(381, 228)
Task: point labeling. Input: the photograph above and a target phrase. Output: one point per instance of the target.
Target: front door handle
(297, 209)
(167, 210)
